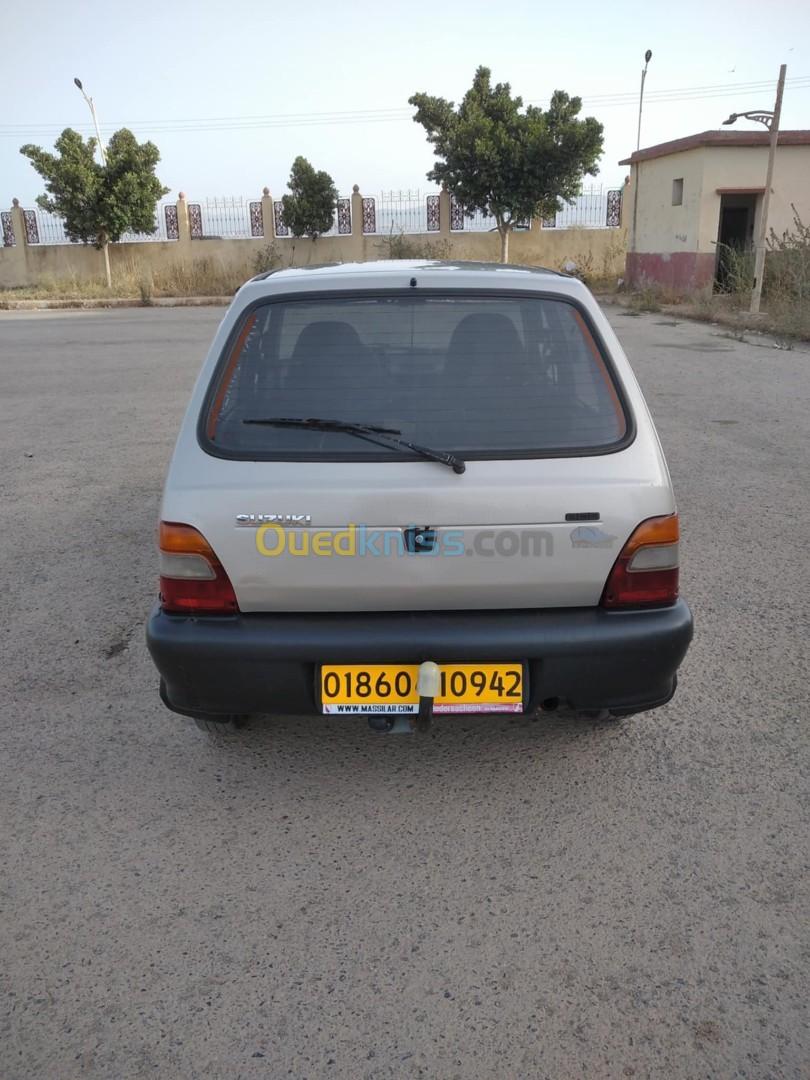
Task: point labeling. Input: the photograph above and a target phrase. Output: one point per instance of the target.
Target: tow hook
(387, 724)
(380, 722)
(427, 685)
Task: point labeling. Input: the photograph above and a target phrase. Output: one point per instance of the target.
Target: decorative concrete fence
(231, 231)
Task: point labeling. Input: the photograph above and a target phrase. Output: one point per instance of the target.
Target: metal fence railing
(46, 228)
(226, 217)
(402, 211)
(479, 222)
(341, 220)
(405, 210)
(51, 228)
(587, 211)
(160, 227)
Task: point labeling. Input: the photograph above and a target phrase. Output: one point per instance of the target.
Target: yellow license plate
(391, 688)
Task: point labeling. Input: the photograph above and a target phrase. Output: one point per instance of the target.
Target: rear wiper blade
(319, 424)
(370, 432)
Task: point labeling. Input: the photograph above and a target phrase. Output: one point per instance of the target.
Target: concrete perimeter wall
(594, 252)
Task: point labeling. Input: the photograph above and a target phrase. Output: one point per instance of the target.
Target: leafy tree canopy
(308, 210)
(511, 162)
(99, 202)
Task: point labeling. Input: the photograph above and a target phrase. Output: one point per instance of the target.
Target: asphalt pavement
(511, 898)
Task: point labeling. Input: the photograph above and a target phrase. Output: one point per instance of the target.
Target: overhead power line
(391, 114)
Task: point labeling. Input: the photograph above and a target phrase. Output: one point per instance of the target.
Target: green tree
(99, 201)
(507, 161)
(308, 210)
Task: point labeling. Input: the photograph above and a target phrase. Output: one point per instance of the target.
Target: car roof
(475, 270)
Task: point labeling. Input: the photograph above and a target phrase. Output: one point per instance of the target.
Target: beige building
(689, 197)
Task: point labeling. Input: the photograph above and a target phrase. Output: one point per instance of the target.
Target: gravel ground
(501, 899)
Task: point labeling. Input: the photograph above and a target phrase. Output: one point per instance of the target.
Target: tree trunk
(106, 249)
(504, 230)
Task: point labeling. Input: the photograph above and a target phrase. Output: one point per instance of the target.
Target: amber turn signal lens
(183, 539)
(657, 530)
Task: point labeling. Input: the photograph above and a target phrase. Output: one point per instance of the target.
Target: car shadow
(349, 748)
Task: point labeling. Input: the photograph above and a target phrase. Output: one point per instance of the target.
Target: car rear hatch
(521, 388)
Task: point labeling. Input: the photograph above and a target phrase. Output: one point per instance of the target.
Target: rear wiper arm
(319, 424)
(370, 432)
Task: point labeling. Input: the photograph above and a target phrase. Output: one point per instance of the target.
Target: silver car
(408, 489)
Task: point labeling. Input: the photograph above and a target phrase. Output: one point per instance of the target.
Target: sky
(232, 93)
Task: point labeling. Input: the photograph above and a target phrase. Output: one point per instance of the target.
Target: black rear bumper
(587, 658)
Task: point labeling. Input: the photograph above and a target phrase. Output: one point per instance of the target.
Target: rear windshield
(483, 377)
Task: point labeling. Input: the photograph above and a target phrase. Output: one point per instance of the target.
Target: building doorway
(735, 240)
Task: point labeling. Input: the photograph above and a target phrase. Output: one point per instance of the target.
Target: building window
(677, 192)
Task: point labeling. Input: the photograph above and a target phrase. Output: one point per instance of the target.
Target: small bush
(787, 263)
(647, 298)
(400, 246)
(598, 273)
(266, 259)
(581, 267)
(146, 287)
(736, 273)
(705, 305)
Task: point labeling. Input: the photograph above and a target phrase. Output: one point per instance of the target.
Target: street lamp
(89, 100)
(91, 106)
(771, 121)
(762, 116)
(647, 58)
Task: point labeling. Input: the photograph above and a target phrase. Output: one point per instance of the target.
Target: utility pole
(759, 260)
(91, 106)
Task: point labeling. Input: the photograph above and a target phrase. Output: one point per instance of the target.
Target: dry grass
(786, 292)
(400, 246)
(785, 319)
(64, 288)
(600, 274)
(647, 298)
(136, 280)
(785, 299)
(786, 302)
(789, 318)
(203, 277)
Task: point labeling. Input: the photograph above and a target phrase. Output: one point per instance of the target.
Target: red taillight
(192, 579)
(646, 571)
